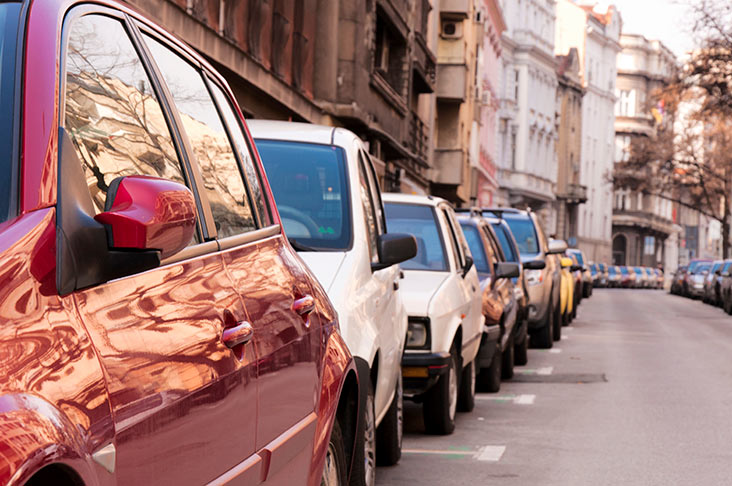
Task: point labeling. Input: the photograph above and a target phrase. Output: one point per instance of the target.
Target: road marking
(490, 453)
(517, 399)
(569, 328)
(564, 337)
(525, 400)
(485, 453)
(555, 350)
(547, 370)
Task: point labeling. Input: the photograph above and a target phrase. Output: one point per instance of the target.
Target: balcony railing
(574, 193)
(417, 138)
(457, 8)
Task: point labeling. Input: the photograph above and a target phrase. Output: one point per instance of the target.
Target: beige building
(457, 108)
(643, 225)
(570, 192)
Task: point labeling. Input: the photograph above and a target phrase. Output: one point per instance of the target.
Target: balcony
(417, 138)
(452, 82)
(574, 194)
(455, 8)
(642, 219)
(424, 65)
(449, 165)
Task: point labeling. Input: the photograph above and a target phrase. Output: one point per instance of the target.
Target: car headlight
(418, 333)
(534, 277)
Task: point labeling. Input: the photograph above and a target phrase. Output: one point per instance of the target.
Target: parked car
(694, 281)
(641, 280)
(495, 358)
(157, 326)
(567, 303)
(586, 289)
(627, 277)
(511, 252)
(712, 281)
(329, 199)
(603, 270)
(614, 276)
(677, 280)
(442, 295)
(725, 287)
(543, 274)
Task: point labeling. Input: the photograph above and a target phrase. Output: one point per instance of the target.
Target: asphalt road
(638, 392)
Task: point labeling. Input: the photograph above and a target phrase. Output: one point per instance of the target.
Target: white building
(527, 162)
(595, 32)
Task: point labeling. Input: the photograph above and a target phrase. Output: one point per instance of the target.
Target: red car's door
(184, 404)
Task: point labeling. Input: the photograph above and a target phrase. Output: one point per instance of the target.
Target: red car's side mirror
(148, 213)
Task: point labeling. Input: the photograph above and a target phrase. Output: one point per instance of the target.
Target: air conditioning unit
(451, 29)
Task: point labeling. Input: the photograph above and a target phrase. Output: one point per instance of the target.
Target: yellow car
(566, 294)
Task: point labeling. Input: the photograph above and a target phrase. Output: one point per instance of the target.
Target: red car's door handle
(304, 305)
(240, 334)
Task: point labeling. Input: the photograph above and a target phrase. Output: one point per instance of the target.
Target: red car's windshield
(9, 15)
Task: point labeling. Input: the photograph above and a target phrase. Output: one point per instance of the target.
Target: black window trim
(17, 123)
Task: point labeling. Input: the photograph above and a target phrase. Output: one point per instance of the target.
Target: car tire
(521, 352)
(391, 430)
(565, 319)
(489, 379)
(466, 397)
(440, 405)
(335, 467)
(728, 305)
(364, 461)
(557, 334)
(508, 360)
(543, 338)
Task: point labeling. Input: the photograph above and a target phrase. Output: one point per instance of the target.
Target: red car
(157, 327)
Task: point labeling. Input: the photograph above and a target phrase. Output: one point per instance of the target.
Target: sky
(665, 20)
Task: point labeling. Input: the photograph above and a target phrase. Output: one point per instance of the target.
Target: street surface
(638, 392)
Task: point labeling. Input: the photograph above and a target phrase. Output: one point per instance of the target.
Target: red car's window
(222, 178)
(9, 15)
(111, 111)
(242, 148)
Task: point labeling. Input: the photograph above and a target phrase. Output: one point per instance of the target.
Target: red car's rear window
(9, 16)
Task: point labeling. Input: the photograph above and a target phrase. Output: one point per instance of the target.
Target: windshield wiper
(299, 246)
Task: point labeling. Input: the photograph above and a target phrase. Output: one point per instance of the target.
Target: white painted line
(569, 328)
(524, 400)
(555, 350)
(496, 398)
(480, 419)
(545, 371)
(438, 452)
(564, 337)
(490, 453)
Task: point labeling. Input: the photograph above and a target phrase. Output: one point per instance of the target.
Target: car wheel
(543, 338)
(489, 379)
(507, 365)
(574, 308)
(390, 432)
(466, 398)
(364, 462)
(440, 405)
(521, 352)
(334, 471)
(728, 305)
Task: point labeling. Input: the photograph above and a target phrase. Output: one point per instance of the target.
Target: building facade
(570, 191)
(484, 143)
(527, 132)
(644, 226)
(368, 66)
(595, 32)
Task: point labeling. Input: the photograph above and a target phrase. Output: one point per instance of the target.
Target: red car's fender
(35, 434)
(338, 401)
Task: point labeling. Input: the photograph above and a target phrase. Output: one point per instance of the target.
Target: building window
(516, 79)
(649, 245)
(626, 103)
(389, 54)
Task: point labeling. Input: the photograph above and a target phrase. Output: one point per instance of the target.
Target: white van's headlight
(418, 333)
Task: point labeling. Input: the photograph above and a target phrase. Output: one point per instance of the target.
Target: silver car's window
(525, 235)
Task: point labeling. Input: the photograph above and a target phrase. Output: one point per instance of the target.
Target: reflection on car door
(177, 393)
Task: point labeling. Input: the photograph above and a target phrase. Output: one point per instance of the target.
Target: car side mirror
(535, 265)
(394, 248)
(556, 247)
(468, 265)
(566, 262)
(507, 270)
(148, 213)
(575, 268)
